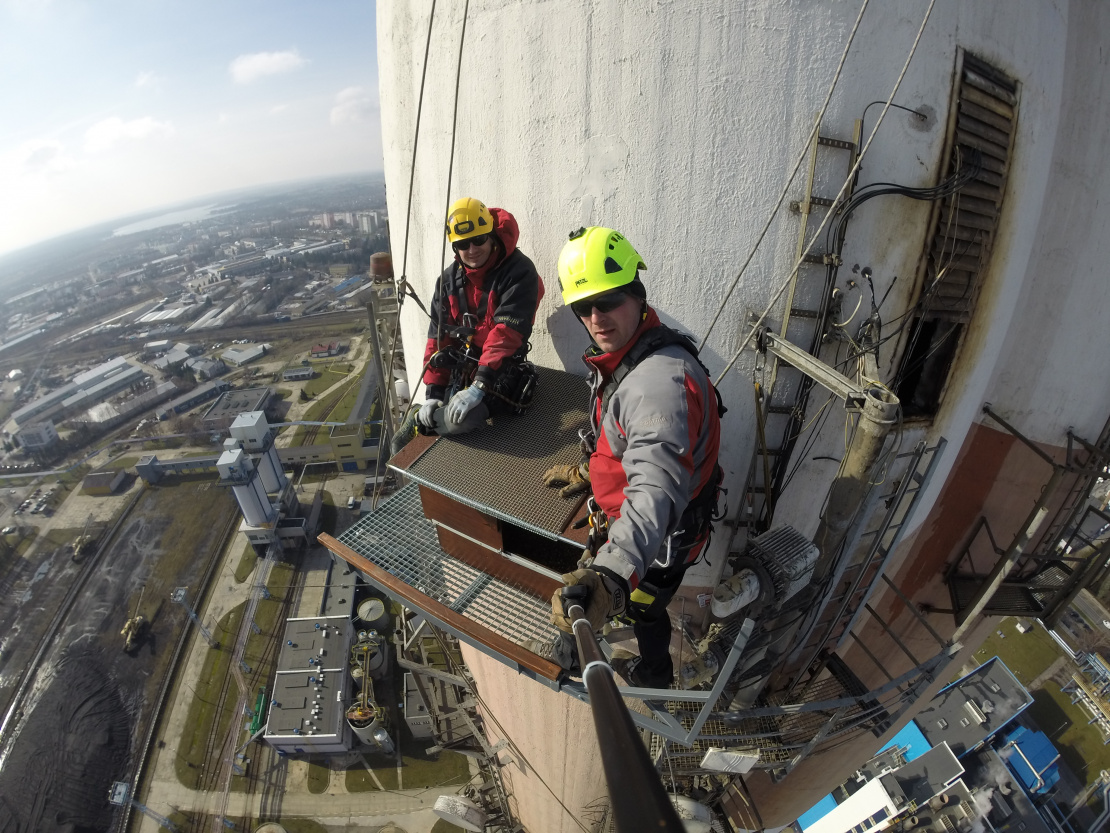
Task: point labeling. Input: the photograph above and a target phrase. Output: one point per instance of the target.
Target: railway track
(220, 748)
(331, 403)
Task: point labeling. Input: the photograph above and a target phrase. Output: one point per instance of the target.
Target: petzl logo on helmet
(581, 281)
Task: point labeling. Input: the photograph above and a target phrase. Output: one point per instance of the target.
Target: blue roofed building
(1031, 756)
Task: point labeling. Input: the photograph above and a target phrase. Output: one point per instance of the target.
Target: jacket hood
(506, 229)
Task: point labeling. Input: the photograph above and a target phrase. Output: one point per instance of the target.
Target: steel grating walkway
(499, 470)
(399, 539)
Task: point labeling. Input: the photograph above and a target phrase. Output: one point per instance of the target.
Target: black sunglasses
(602, 303)
(477, 240)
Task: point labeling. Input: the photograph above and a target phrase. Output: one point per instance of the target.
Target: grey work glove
(574, 479)
(606, 599)
(427, 414)
(463, 402)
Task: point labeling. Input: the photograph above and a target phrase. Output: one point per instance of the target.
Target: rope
(828, 215)
(790, 179)
(451, 162)
(402, 285)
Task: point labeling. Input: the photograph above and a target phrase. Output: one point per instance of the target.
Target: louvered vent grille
(966, 224)
(981, 133)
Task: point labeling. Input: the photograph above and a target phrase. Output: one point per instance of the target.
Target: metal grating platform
(400, 540)
(498, 470)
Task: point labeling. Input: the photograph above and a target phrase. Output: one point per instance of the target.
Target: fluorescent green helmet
(596, 260)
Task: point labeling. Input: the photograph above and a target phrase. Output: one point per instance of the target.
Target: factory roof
(311, 677)
(973, 708)
(233, 402)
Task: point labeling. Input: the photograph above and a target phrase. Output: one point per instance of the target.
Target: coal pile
(74, 741)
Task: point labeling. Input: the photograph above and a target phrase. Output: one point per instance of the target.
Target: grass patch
(302, 825)
(319, 777)
(61, 537)
(358, 780)
(419, 770)
(325, 378)
(444, 826)
(335, 407)
(118, 463)
(204, 719)
(1026, 654)
(247, 561)
(1080, 744)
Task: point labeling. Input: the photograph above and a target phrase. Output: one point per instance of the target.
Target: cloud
(353, 105)
(278, 108)
(105, 134)
(42, 156)
(249, 68)
(147, 80)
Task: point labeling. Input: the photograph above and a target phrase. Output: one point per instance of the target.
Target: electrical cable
(790, 179)
(848, 180)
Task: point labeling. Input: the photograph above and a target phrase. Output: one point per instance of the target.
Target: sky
(111, 107)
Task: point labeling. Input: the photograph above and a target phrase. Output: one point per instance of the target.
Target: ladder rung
(779, 409)
(804, 313)
(835, 143)
(818, 259)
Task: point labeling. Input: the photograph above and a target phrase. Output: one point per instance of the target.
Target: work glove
(574, 479)
(427, 412)
(605, 599)
(462, 403)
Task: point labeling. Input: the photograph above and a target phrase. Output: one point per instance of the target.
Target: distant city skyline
(117, 108)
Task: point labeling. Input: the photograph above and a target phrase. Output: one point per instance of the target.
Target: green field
(1079, 743)
(1026, 654)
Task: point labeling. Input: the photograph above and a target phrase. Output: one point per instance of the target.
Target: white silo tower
(252, 431)
(237, 470)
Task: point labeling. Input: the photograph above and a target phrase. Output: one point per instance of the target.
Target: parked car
(351, 502)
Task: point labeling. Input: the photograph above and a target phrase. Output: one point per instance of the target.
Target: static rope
(451, 164)
(402, 286)
(840, 193)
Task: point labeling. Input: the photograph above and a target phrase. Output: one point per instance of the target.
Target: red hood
(606, 363)
(508, 232)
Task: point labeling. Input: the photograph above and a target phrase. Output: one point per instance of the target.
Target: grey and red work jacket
(656, 445)
(501, 298)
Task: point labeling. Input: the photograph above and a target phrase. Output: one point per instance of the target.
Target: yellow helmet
(596, 260)
(468, 217)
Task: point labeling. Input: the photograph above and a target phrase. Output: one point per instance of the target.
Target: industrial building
(197, 396)
(308, 705)
(84, 390)
(38, 436)
(231, 403)
(271, 511)
(297, 374)
(962, 758)
(239, 356)
(103, 483)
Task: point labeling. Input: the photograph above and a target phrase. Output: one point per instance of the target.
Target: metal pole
(968, 616)
(635, 789)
